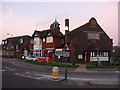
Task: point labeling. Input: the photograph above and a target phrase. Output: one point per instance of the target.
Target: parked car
(31, 58)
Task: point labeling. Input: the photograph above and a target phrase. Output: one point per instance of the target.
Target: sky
(23, 18)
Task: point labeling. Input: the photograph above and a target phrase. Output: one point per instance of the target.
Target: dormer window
(2, 42)
(36, 34)
(21, 40)
(6, 42)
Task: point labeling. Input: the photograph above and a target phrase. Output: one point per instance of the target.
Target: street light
(66, 29)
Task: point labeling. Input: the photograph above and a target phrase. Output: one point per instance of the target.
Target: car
(31, 58)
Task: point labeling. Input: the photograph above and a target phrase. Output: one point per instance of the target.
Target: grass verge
(51, 64)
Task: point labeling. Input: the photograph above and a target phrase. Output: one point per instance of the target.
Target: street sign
(66, 48)
(66, 54)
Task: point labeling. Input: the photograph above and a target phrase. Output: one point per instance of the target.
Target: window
(58, 52)
(106, 54)
(62, 41)
(40, 42)
(43, 39)
(16, 46)
(7, 48)
(36, 40)
(21, 40)
(6, 42)
(93, 36)
(2, 42)
(11, 47)
(32, 41)
(7, 53)
(4, 53)
(49, 39)
(11, 53)
(4, 47)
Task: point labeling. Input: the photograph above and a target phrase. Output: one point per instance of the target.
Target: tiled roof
(44, 33)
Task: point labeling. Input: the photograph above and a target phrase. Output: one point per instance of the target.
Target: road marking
(41, 76)
(2, 70)
(118, 72)
(10, 68)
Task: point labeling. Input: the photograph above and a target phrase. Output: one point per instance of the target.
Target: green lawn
(51, 64)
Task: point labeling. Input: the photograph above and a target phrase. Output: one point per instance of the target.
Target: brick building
(47, 41)
(17, 46)
(87, 41)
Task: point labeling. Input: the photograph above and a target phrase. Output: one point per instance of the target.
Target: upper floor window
(36, 40)
(93, 36)
(50, 39)
(43, 39)
(6, 42)
(2, 42)
(4, 47)
(21, 40)
(16, 46)
(7, 47)
(62, 41)
(32, 41)
(11, 47)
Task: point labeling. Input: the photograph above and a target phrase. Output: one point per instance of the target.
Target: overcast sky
(22, 18)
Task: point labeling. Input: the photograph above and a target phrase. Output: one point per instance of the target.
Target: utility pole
(66, 59)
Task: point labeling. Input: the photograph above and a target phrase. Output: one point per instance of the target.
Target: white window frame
(6, 42)
(93, 36)
(50, 39)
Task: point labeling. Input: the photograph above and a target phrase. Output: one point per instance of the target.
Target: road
(18, 74)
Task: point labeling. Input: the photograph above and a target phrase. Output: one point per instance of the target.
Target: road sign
(66, 48)
(66, 54)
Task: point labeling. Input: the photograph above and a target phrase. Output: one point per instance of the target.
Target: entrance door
(87, 57)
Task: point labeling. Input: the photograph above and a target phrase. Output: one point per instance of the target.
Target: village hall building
(89, 42)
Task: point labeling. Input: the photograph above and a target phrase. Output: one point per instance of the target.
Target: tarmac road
(17, 74)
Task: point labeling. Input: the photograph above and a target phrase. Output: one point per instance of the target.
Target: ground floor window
(102, 56)
(58, 52)
(37, 53)
(11, 53)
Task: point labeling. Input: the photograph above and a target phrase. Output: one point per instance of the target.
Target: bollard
(55, 73)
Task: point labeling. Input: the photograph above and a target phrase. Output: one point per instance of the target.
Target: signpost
(66, 54)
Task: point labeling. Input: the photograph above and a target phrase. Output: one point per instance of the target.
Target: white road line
(2, 70)
(40, 76)
(10, 68)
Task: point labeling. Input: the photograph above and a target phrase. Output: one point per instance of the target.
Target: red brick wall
(56, 43)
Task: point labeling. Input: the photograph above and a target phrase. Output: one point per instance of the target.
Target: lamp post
(66, 29)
